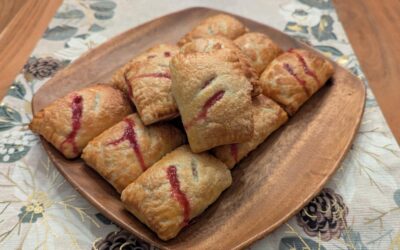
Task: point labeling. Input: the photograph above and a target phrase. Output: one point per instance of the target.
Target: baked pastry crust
(146, 79)
(160, 53)
(294, 76)
(208, 44)
(123, 152)
(268, 116)
(221, 24)
(214, 99)
(217, 46)
(259, 48)
(70, 122)
(176, 189)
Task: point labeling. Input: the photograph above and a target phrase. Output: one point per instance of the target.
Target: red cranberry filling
(177, 193)
(289, 69)
(207, 105)
(130, 135)
(77, 110)
(307, 70)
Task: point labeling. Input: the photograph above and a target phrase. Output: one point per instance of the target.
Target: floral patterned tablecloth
(358, 209)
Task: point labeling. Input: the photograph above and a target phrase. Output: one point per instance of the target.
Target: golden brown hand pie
(217, 46)
(220, 24)
(72, 121)
(146, 79)
(293, 77)
(123, 152)
(259, 48)
(176, 189)
(214, 99)
(268, 116)
(160, 53)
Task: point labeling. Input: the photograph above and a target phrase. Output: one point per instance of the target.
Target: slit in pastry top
(234, 152)
(130, 135)
(178, 194)
(307, 69)
(302, 82)
(208, 82)
(207, 105)
(77, 111)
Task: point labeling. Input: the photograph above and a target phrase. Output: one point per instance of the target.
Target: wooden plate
(273, 183)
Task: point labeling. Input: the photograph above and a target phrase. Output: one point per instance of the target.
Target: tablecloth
(358, 209)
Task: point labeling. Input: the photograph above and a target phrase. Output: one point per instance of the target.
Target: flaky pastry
(176, 189)
(294, 76)
(123, 152)
(221, 24)
(147, 81)
(268, 116)
(214, 99)
(70, 122)
(259, 48)
(217, 46)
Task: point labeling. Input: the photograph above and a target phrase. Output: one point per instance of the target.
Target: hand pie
(259, 49)
(221, 24)
(217, 46)
(160, 53)
(72, 121)
(176, 189)
(213, 97)
(268, 116)
(293, 77)
(123, 152)
(147, 81)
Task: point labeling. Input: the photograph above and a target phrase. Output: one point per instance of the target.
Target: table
(358, 209)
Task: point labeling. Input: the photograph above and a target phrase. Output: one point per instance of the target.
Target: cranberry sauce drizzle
(307, 70)
(77, 110)
(130, 135)
(177, 193)
(289, 69)
(207, 105)
(234, 152)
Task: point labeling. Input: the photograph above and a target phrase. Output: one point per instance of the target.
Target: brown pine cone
(121, 240)
(40, 68)
(324, 215)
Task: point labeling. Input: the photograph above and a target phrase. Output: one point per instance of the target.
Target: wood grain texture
(273, 183)
(8, 9)
(30, 21)
(373, 30)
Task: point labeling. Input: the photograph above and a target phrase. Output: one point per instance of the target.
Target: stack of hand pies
(231, 89)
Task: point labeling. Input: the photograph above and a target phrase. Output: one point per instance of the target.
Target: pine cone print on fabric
(121, 240)
(324, 215)
(40, 68)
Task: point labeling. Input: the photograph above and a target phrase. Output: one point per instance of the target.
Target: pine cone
(324, 215)
(121, 240)
(40, 68)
